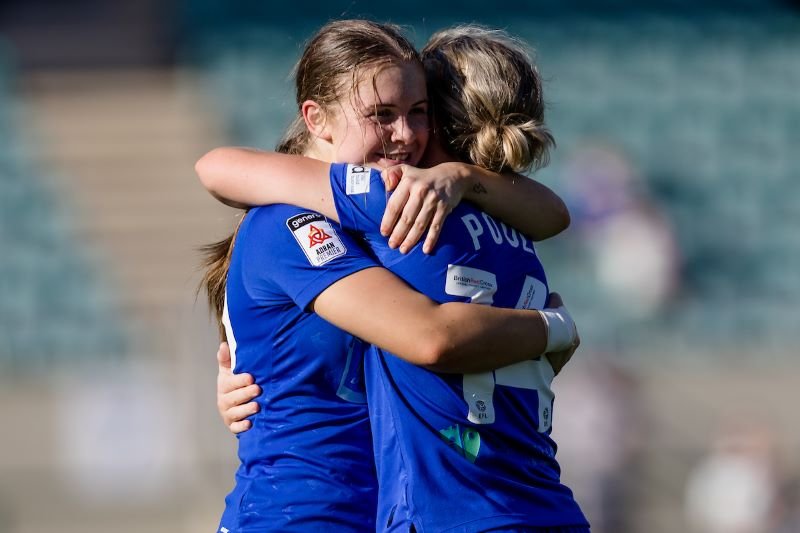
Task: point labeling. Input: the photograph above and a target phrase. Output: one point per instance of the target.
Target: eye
(418, 116)
(384, 116)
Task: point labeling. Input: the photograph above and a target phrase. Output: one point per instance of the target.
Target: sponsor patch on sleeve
(357, 180)
(478, 285)
(533, 296)
(316, 237)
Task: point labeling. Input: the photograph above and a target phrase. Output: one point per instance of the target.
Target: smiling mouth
(397, 156)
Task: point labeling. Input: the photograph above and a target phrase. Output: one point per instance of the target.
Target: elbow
(206, 169)
(437, 352)
(439, 341)
(563, 218)
(559, 221)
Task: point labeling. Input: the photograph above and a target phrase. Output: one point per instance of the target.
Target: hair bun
(513, 143)
(486, 96)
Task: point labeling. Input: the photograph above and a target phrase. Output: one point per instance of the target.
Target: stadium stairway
(119, 148)
(122, 147)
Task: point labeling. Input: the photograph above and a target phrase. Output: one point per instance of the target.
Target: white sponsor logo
(474, 283)
(534, 294)
(357, 180)
(317, 238)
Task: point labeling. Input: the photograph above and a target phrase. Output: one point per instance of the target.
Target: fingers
(405, 223)
(435, 229)
(425, 211)
(239, 413)
(241, 395)
(554, 301)
(558, 360)
(391, 177)
(237, 405)
(420, 200)
(555, 362)
(224, 356)
(423, 220)
(394, 207)
(234, 393)
(227, 382)
(238, 427)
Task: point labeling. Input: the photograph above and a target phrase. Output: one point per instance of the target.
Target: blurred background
(678, 130)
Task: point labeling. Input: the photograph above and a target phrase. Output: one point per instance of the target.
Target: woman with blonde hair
(306, 463)
(454, 452)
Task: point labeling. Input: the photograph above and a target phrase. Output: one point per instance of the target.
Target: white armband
(561, 330)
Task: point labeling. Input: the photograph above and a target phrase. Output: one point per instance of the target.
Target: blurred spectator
(789, 517)
(598, 428)
(117, 441)
(735, 488)
(631, 243)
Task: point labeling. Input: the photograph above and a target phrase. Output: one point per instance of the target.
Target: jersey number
(532, 375)
(535, 375)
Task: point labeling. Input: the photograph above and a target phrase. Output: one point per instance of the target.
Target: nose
(403, 131)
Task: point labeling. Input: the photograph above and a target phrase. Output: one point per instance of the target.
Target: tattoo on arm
(479, 189)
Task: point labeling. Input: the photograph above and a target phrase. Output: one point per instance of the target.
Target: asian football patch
(316, 237)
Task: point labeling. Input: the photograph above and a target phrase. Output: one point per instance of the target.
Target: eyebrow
(423, 101)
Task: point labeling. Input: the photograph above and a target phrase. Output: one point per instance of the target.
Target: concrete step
(119, 148)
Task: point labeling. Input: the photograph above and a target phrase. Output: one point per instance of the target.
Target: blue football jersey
(306, 464)
(459, 452)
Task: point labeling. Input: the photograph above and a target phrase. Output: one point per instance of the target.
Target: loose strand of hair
(216, 258)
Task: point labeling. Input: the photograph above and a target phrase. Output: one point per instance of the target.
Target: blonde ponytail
(486, 97)
(510, 145)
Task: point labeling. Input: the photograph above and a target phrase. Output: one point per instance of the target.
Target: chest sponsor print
(316, 237)
(478, 285)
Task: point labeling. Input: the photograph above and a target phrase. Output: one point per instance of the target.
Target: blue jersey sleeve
(299, 251)
(359, 195)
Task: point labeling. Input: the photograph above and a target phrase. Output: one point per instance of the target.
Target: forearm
(463, 338)
(519, 201)
(248, 177)
(379, 308)
(478, 338)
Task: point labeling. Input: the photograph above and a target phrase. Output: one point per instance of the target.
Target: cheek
(421, 128)
(359, 142)
(375, 135)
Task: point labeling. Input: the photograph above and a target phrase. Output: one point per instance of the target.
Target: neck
(319, 149)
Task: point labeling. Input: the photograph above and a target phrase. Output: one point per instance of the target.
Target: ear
(316, 120)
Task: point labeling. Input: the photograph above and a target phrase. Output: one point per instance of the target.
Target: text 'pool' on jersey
(478, 225)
